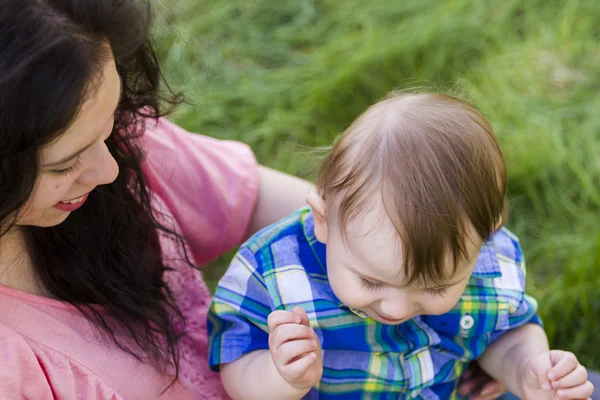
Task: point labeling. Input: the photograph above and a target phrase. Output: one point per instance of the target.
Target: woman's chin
(47, 220)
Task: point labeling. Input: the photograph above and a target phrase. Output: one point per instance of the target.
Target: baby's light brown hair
(436, 166)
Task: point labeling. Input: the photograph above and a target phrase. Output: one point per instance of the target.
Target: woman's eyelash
(67, 171)
(440, 292)
(369, 285)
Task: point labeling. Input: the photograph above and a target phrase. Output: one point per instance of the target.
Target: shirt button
(467, 322)
(359, 313)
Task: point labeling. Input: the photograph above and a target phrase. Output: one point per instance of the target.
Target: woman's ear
(317, 205)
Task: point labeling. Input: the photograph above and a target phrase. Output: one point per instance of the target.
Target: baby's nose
(395, 309)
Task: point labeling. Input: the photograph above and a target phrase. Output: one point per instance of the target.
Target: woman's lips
(71, 205)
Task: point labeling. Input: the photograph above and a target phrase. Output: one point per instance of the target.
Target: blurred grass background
(287, 75)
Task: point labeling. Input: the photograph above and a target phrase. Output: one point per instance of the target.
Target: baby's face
(365, 273)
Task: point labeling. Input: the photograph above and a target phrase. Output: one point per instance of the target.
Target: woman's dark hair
(107, 254)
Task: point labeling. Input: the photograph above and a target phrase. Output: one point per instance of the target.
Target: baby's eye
(368, 284)
(438, 292)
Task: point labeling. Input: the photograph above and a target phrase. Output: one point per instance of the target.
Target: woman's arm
(279, 194)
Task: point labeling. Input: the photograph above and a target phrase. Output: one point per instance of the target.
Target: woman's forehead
(92, 118)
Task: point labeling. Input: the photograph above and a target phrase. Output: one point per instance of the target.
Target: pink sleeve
(44, 374)
(21, 376)
(209, 185)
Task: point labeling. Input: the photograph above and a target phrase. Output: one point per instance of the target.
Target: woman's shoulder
(209, 185)
(166, 144)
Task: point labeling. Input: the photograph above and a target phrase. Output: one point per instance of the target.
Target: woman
(105, 208)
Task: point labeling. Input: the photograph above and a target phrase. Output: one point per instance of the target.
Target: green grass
(285, 76)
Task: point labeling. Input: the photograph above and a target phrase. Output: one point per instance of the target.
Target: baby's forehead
(377, 247)
(372, 238)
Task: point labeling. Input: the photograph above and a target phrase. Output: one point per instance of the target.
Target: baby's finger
(565, 364)
(468, 372)
(576, 377)
(299, 311)
(578, 392)
(492, 390)
(286, 332)
(281, 317)
(296, 369)
(479, 387)
(290, 351)
(492, 396)
(467, 387)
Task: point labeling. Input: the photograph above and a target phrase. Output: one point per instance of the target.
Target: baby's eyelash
(67, 171)
(369, 285)
(439, 292)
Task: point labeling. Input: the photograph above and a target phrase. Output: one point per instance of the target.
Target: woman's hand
(478, 385)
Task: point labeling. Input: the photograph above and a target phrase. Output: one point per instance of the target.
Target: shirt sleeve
(524, 313)
(21, 376)
(237, 317)
(209, 185)
(519, 308)
(26, 374)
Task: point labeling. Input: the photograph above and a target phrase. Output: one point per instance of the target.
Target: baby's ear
(499, 223)
(317, 205)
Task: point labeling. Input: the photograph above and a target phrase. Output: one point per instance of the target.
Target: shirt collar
(318, 248)
(487, 265)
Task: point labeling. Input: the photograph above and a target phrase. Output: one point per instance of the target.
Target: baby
(397, 275)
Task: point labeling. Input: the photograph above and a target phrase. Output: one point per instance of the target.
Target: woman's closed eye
(68, 170)
(368, 284)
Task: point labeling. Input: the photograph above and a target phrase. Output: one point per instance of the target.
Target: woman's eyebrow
(68, 158)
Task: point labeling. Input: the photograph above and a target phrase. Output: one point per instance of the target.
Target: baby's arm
(521, 360)
(254, 376)
(288, 370)
(504, 358)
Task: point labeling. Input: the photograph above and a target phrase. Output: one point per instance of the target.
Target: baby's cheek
(443, 306)
(343, 290)
(439, 306)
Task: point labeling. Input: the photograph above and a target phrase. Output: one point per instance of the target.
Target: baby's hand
(295, 348)
(555, 375)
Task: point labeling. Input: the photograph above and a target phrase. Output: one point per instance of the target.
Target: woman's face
(78, 161)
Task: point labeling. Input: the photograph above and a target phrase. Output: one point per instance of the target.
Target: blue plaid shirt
(283, 266)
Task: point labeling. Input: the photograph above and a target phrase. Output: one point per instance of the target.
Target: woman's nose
(102, 168)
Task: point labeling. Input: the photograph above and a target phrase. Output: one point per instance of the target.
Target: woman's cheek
(50, 191)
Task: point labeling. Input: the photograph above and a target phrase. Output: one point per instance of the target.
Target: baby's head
(406, 197)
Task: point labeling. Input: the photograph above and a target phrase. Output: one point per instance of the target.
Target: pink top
(207, 190)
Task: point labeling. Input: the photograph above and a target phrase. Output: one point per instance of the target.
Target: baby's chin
(387, 321)
(379, 318)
